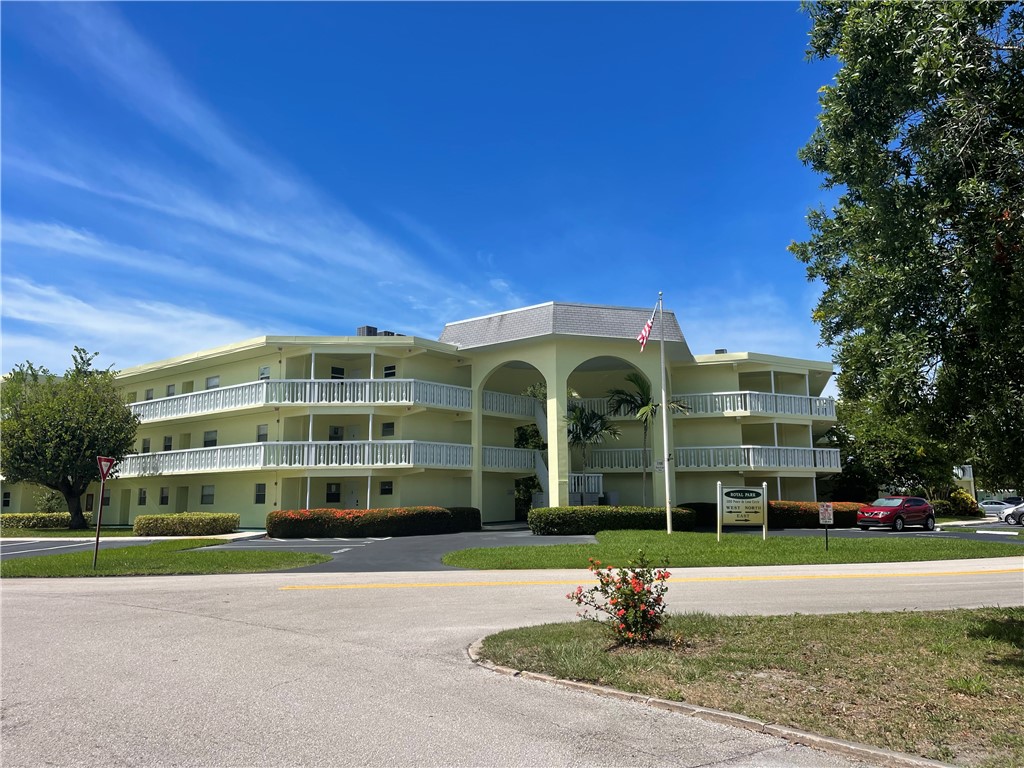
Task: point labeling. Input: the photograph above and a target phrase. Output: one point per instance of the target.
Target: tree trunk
(75, 508)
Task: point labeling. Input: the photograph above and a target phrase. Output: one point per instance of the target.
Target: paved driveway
(371, 669)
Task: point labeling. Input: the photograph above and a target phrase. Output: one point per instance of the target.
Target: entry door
(181, 499)
(123, 510)
(353, 495)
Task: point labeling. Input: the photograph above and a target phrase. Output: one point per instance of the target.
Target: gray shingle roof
(556, 318)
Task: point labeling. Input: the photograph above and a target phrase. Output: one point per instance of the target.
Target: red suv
(897, 512)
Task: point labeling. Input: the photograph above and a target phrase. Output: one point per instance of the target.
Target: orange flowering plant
(631, 601)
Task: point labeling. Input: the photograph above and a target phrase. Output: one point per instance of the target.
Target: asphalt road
(371, 669)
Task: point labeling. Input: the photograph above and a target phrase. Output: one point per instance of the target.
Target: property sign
(825, 513)
(743, 505)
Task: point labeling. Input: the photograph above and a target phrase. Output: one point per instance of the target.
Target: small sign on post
(106, 464)
(825, 518)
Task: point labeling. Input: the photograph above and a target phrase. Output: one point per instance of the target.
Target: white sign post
(106, 464)
(825, 518)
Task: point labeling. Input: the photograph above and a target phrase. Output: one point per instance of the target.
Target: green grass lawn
(701, 549)
(948, 685)
(181, 556)
(62, 533)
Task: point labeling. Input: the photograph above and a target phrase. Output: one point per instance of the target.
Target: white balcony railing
(510, 459)
(308, 392)
(586, 483)
(721, 457)
(506, 404)
(302, 455)
(760, 403)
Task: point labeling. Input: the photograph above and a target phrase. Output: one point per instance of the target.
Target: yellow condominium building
(385, 420)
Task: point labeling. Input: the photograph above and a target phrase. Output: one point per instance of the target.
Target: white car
(996, 507)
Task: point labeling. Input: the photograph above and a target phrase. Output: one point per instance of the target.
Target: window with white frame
(168, 443)
(261, 493)
(206, 496)
(165, 496)
(387, 429)
(210, 438)
(333, 493)
(263, 374)
(106, 497)
(145, 445)
(390, 371)
(262, 433)
(337, 372)
(387, 487)
(149, 394)
(142, 497)
(335, 432)
(6, 503)
(170, 390)
(89, 502)
(212, 382)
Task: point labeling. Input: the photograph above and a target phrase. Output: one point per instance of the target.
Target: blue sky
(178, 176)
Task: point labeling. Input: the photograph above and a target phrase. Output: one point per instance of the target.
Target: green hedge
(39, 519)
(804, 514)
(397, 521)
(576, 521)
(186, 524)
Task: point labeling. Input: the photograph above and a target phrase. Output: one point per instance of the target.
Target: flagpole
(668, 464)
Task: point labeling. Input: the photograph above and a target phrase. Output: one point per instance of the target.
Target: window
(170, 390)
(142, 497)
(105, 501)
(337, 372)
(6, 499)
(262, 433)
(206, 497)
(387, 429)
(149, 394)
(89, 502)
(212, 382)
(333, 493)
(165, 496)
(209, 438)
(390, 371)
(146, 443)
(263, 374)
(261, 493)
(335, 433)
(387, 487)
(168, 443)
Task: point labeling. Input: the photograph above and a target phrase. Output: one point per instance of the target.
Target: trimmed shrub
(942, 508)
(962, 504)
(39, 519)
(804, 514)
(346, 523)
(578, 521)
(186, 524)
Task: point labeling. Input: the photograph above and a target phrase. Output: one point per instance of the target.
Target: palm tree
(587, 427)
(639, 403)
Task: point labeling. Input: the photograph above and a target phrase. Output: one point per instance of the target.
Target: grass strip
(181, 556)
(63, 533)
(696, 550)
(948, 685)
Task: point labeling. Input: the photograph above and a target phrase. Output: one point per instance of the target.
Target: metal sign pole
(718, 515)
(105, 464)
(764, 511)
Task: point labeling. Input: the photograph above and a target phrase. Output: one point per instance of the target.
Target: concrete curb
(874, 755)
(243, 536)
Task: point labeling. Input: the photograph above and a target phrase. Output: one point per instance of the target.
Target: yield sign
(106, 464)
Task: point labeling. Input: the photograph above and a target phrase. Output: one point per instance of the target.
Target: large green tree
(922, 256)
(54, 427)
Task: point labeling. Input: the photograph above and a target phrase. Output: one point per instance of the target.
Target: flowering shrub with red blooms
(631, 601)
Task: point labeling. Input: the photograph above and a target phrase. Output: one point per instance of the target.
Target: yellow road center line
(673, 580)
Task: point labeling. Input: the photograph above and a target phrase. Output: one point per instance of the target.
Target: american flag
(645, 334)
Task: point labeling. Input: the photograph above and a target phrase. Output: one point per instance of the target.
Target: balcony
(738, 457)
(257, 394)
(397, 454)
(758, 404)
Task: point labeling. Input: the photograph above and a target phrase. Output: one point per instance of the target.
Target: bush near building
(186, 524)
(40, 519)
(397, 521)
(579, 521)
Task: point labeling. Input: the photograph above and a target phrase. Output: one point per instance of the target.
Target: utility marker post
(106, 464)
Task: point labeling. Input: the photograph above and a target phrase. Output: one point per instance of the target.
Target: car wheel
(865, 527)
(929, 523)
(1009, 519)
(897, 524)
